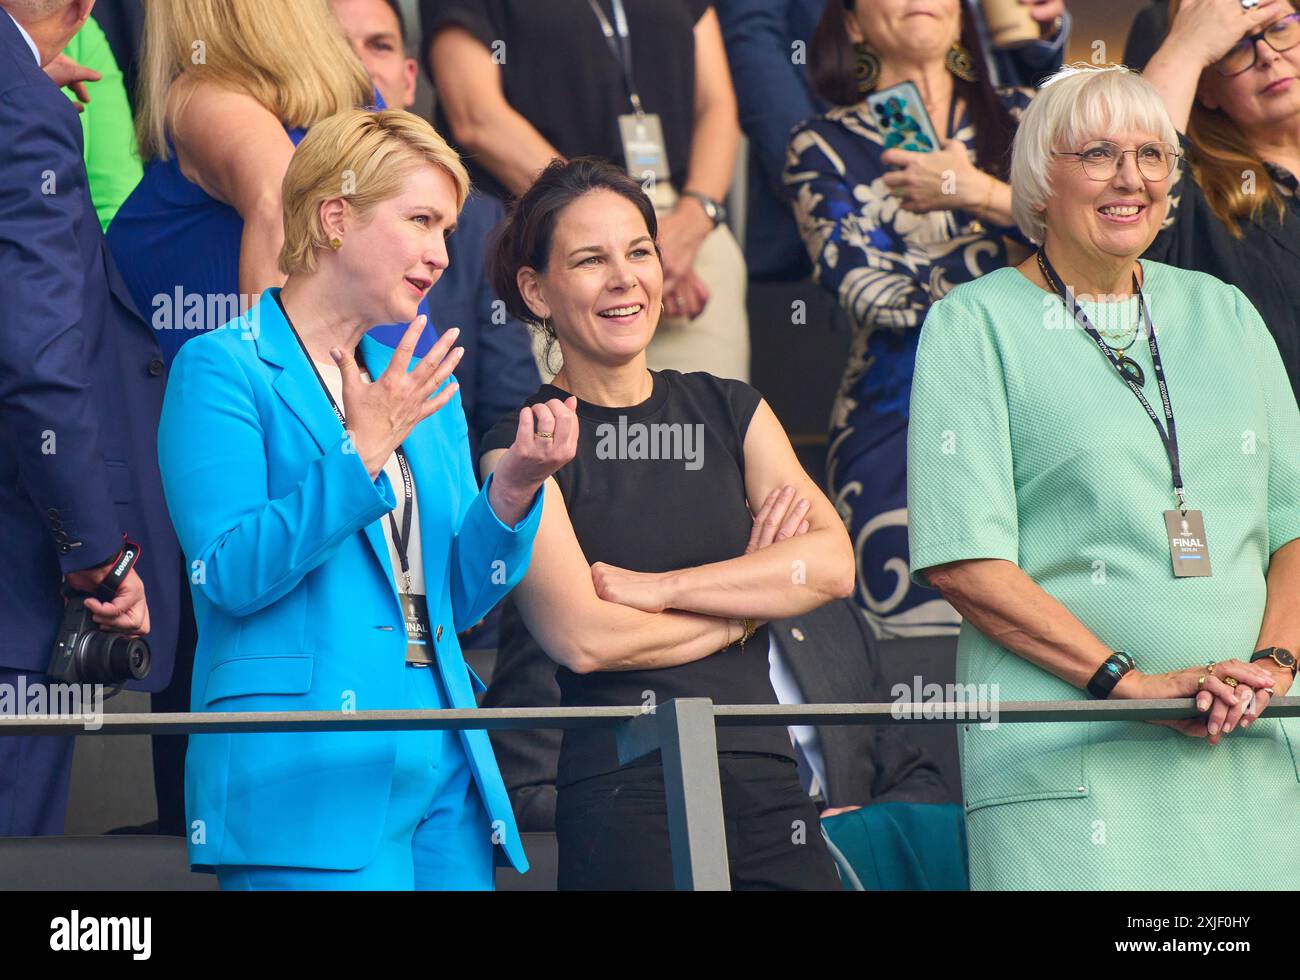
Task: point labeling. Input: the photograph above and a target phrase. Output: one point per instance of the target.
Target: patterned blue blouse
(885, 266)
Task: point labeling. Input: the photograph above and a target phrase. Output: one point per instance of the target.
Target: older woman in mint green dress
(1039, 489)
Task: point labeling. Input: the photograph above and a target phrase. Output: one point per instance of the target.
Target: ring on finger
(545, 435)
(1230, 681)
(1200, 683)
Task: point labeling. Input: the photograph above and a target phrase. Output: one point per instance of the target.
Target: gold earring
(867, 69)
(959, 61)
(336, 243)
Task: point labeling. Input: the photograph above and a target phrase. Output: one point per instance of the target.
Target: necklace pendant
(1131, 370)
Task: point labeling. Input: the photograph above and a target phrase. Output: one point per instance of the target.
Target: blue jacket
(295, 600)
(81, 384)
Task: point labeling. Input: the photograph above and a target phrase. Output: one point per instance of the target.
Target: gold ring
(545, 435)
(1230, 681)
(1200, 683)
(1210, 668)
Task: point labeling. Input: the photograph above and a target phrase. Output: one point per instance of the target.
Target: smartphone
(903, 121)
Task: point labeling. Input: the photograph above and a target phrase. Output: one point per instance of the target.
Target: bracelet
(1108, 675)
(747, 630)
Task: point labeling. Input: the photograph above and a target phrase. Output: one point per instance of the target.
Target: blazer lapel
(299, 387)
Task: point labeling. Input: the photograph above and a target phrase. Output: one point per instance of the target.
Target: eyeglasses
(1101, 159)
(1281, 35)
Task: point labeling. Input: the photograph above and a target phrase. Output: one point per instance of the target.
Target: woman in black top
(643, 586)
(1229, 77)
(522, 82)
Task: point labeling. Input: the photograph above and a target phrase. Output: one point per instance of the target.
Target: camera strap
(106, 591)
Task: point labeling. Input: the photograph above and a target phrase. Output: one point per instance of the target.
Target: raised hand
(381, 413)
(547, 438)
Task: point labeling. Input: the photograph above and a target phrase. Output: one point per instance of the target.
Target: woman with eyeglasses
(1104, 480)
(1230, 77)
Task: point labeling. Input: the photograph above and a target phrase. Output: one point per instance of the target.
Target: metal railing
(684, 731)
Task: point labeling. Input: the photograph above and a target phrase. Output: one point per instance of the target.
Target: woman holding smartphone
(890, 231)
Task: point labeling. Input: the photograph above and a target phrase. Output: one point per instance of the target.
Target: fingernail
(1213, 728)
(1245, 723)
(1227, 728)
(1203, 704)
(336, 354)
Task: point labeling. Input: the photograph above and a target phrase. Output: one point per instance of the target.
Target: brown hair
(832, 67)
(524, 238)
(1219, 157)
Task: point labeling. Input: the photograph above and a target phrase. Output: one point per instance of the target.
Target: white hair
(1080, 102)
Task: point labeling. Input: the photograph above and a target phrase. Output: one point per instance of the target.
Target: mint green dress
(1026, 446)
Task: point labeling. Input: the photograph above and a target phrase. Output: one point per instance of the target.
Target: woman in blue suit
(321, 487)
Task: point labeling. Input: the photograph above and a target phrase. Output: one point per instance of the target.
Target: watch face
(1283, 657)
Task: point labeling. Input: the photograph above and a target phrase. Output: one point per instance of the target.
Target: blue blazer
(81, 385)
(295, 599)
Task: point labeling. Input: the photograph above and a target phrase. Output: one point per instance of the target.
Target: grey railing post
(683, 731)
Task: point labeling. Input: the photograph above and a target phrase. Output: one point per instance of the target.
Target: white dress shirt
(36, 52)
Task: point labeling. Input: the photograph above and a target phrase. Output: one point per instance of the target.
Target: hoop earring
(867, 72)
(959, 61)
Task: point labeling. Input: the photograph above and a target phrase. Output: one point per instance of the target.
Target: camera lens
(112, 658)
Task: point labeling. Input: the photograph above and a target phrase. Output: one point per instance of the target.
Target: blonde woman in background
(228, 88)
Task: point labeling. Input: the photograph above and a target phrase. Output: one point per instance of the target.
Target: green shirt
(112, 161)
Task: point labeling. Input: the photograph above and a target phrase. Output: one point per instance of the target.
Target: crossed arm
(592, 618)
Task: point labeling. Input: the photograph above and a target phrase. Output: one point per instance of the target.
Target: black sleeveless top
(656, 487)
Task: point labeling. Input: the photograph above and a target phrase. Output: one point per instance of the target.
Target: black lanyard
(622, 50)
(401, 539)
(1168, 433)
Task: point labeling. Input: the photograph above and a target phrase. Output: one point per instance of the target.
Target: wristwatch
(1283, 658)
(716, 210)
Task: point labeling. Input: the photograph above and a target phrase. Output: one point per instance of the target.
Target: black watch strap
(1268, 653)
(1108, 675)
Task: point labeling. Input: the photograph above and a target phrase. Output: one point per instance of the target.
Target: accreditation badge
(415, 610)
(647, 156)
(1187, 544)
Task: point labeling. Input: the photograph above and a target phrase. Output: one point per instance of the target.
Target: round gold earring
(336, 243)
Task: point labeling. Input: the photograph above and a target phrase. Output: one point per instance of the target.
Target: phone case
(903, 121)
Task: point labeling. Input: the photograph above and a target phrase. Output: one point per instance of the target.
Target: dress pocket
(1013, 763)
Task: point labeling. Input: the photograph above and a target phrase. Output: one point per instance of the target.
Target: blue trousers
(35, 773)
(436, 831)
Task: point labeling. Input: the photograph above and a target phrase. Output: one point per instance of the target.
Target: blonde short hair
(1079, 103)
(361, 157)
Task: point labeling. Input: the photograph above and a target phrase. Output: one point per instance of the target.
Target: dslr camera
(85, 654)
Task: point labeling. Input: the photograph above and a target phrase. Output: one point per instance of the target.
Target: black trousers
(612, 829)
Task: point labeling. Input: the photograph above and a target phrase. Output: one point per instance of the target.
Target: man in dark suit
(81, 386)
(825, 656)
